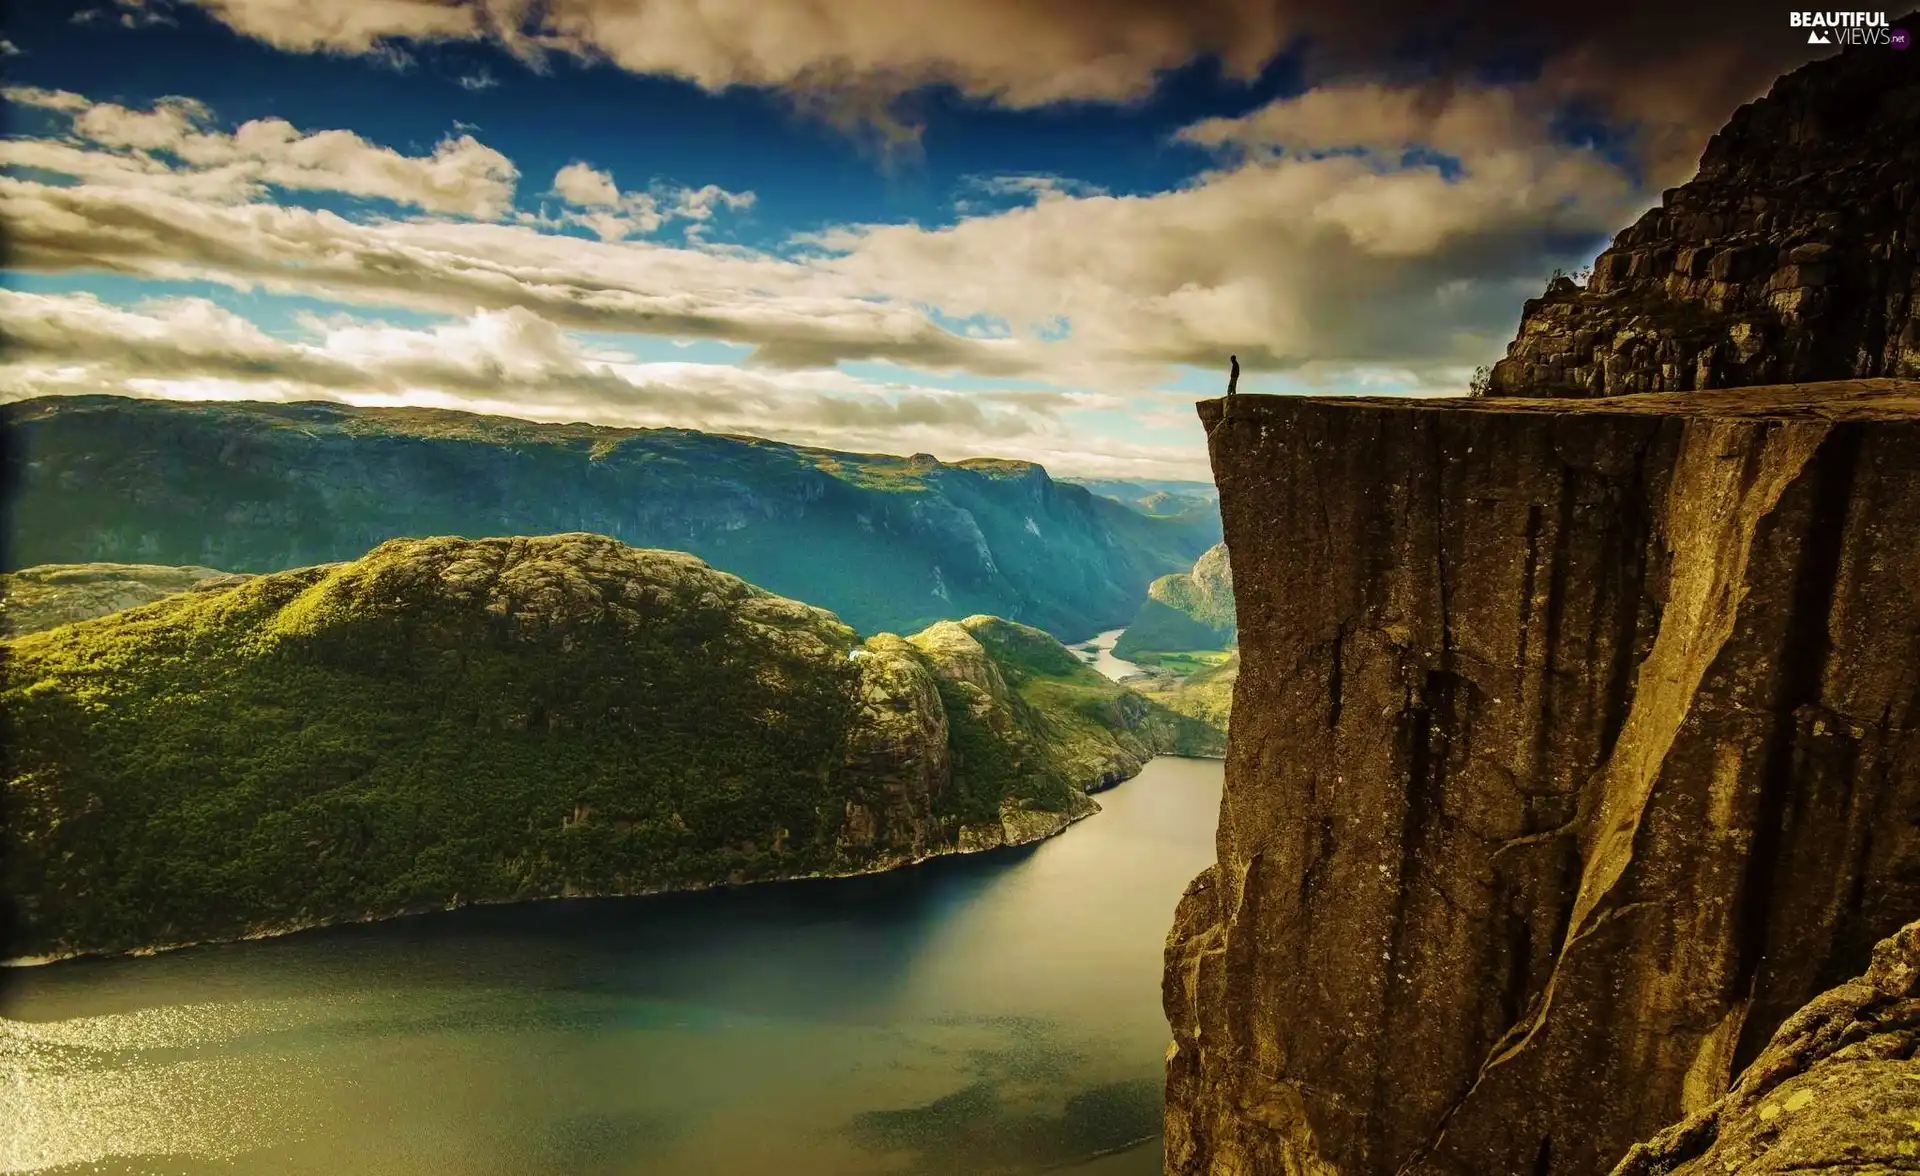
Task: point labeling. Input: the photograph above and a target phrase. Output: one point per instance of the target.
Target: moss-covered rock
(1836, 1091)
(446, 721)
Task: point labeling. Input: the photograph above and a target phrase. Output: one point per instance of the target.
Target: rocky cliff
(447, 721)
(891, 543)
(1837, 1090)
(1790, 256)
(1574, 749)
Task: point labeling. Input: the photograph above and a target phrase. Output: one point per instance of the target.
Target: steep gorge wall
(1574, 748)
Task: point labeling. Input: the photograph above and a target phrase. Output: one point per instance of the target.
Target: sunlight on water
(996, 1014)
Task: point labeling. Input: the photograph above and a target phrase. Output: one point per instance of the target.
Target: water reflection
(996, 1014)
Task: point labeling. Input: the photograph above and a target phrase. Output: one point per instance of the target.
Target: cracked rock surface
(1575, 748)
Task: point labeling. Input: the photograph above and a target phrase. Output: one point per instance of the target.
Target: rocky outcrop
(1836, 1091)
(1791, 256)
(42, 597)
(1575, 748)
(447, 721)
(887, 543)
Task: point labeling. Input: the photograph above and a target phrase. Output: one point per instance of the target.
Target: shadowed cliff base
(1574, 749)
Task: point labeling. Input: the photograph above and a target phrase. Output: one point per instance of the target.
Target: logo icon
(1816, 37)
(1899, 38)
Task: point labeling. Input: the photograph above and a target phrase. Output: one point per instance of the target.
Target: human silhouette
(1233, 385)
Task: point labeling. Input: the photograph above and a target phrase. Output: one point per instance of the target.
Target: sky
(963, 227)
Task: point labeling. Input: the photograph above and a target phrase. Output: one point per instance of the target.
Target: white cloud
(62, 100)
(173, 145)
(600, 205)
(1287, 256)
(586, 186)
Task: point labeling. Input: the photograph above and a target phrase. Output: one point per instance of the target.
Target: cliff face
(891, 543)
(446, 721)
(1574, 748)
(1790, 256)
(1837, 1090)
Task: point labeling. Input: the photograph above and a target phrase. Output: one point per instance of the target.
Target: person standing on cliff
(1233, 384)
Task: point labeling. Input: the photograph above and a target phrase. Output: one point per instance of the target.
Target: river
(1102, 659)
(998, 1013)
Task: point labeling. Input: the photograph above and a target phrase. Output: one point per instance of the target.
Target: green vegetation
(37, 598)
(1183, 663)
(888, 543)
(1205, 694)
(445, 721)
(1191, 611)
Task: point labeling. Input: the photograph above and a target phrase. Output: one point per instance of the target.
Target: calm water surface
(992, 1014)
(1102, 659)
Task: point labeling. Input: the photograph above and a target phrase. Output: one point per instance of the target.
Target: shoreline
(956, 849)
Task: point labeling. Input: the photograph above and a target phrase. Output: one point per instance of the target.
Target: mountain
(1790, 257)
(885, 542)
(1191, 610)
(1155, 497)
(447, 721)
(37, 598)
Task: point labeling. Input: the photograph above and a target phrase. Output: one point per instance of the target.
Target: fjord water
(996, 1013)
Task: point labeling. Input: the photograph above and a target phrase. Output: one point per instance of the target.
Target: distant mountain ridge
(42, 597)
(1154, 496)
(447, 721)
(887, 543)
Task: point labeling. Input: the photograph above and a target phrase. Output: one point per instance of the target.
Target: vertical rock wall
(1574, 747)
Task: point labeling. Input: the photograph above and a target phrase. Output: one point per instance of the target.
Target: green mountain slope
(37, 598)
(446, 721)
(1190, 610)
(1206, 694)
(889, 543)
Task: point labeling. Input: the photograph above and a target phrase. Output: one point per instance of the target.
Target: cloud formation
(1314, 244)
(1677, 70)
(600, 206)
(174, 146)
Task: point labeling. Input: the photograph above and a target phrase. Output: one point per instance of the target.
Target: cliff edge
(1574, 749)
(1790, 256)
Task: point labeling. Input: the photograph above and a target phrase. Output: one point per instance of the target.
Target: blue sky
(977, 227)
